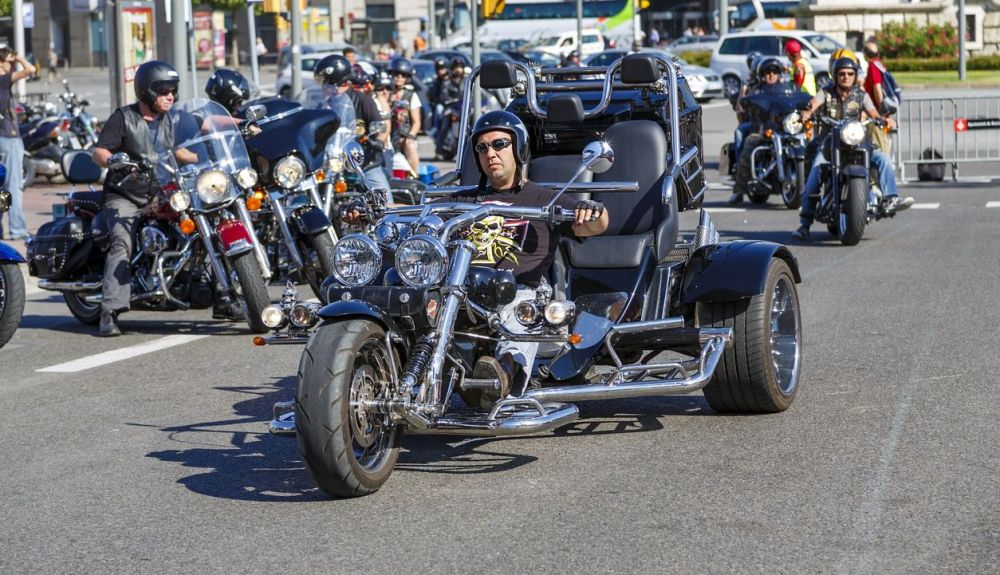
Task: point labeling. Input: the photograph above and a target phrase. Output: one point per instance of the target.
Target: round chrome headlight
(246, 178)
(526, 313)
(213, 185)
(302, 315)
(792, 124)
(559, 312)
(421, 261)
(356, 260)
(180, 201)
(289, 171)
(273, 317)
(852, 134)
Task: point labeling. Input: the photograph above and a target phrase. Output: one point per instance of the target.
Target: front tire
(793, 196)
(11, 300)
(252, 289)
(760, 373)
(350, 451)
(85, 312)
(758, 199)
(851, 224)
(317, 253)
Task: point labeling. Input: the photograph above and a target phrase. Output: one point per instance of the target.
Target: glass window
(561, 9)
(823, 43)
(779, 9)
(732, 46)
(766, 45)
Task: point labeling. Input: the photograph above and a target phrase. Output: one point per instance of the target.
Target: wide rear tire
(252, 289)
(851, 223)
(11, 300)
(760, 372)
(86, 313)
(348, 450)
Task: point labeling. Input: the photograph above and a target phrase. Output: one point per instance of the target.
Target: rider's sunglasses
(166, 91)
(396, 74)
(498, 144)
(846, 74)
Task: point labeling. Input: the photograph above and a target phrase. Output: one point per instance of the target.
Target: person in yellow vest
(802, 70)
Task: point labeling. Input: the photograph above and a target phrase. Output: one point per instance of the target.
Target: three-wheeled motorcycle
(634, 312)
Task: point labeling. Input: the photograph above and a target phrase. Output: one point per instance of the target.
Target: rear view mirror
(256, 112)
(119, 159)
(598, 157)
(355, 156)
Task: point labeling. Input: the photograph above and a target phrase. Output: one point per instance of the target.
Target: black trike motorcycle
(634, 312)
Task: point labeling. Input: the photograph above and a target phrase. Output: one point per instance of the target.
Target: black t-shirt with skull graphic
(526, 248)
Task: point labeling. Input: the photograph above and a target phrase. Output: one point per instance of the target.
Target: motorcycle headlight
(289, 171)
(559, 312)
(792, 124)
(356, 260)
(335, 164)
(273, 317)
(421, 261)
(302, 315)
(852, 134)
(213, 185)
(246, 178)
(180, 201)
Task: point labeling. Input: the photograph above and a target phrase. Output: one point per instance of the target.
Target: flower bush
(909, 40)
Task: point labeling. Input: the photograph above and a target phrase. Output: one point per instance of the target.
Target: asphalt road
(886, 463)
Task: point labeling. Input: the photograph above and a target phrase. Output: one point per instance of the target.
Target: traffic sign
(28, 14)
(966, 124)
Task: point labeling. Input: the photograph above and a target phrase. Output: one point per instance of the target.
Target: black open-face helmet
(400, 65)
(358, 76)
(507, 122)
(844, 62)
(440, 63)
(769, 65)
(152, 77)
(334, 69)
(229, 88)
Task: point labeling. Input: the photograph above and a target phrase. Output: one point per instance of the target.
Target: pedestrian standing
(11, 146)
(53, 64)
(261, 48)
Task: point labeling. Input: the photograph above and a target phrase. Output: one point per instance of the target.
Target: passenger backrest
(640, 155)
(470, 173)
(558, 169)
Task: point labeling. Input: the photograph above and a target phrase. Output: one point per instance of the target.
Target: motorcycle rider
(435, 93)
(844, 99)
(334, 74)
(406, 108)
(769, 73)
(451, 89)
(230, 89)
(746, 88)
(802, 71)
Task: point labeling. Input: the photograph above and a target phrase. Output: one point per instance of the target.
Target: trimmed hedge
(991, 62)
(697, 57)
(909, 40)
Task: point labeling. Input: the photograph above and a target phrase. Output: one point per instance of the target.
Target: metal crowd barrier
(961, 130)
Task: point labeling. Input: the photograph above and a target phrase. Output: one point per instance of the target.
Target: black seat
(558, 169)
(638, 220)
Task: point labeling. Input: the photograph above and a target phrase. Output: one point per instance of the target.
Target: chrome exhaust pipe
(507, 419)
(69, 286)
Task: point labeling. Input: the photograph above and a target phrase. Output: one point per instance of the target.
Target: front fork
(207, 232)
(286, 232)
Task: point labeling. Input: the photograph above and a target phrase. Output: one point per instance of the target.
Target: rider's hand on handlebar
(353, 213)
(587, 211)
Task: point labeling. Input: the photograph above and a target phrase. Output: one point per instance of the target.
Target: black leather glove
(596, 207)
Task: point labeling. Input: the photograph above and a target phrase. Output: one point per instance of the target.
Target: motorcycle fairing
(732, 271)
(309, 220)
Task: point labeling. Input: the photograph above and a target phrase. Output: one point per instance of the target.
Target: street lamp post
(961, 40)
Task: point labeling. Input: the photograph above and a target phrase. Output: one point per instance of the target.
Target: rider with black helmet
(436, 92)
(746, 88)
(334, 73)
(136, 129)
(229, 88)
(769, 72)
(843, 98)
(406, 108)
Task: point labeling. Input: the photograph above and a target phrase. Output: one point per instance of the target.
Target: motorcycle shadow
(457, 455)
(239, 464)
(820, 238)
(148, 325)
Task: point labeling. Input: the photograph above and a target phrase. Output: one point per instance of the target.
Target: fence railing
(948, 131)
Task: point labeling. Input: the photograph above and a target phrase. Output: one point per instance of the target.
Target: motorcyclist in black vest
(769, 72)
(841, 99)
(135, 129)
(334, 72)
(406, 108)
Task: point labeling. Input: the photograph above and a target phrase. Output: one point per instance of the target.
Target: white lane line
(993, 204)
(719, 186)
(716, 105)
(120, 354)
(926, 206)
(725, 210)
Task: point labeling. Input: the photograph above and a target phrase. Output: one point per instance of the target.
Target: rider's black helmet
(151, 77)
(359, 77)
(510, 123)
(457, 62)
(229, 88)
(382, 80)
(841, 63)
(400, 65)
(768, 65)
(333, 69)
(440, 63)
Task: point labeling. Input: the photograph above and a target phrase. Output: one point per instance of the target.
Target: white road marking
(716, 105)
(725, 210)
(926, 206)
(719, 186)
(124, 353)
(993, 204)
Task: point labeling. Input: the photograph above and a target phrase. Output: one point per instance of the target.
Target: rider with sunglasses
(844, 99)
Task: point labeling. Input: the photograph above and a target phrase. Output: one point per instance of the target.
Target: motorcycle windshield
(201, 136)
(779, 100)
(327, 98)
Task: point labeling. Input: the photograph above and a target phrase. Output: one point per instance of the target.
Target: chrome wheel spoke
(784, 337)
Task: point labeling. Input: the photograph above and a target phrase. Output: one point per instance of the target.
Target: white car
(562, 44)
(704, 83)
(729, 58)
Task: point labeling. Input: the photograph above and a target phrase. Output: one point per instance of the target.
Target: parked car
(693, 43)
(285, 54)
(560, 45)
(729, 57)
(543, 59)
(704, 83)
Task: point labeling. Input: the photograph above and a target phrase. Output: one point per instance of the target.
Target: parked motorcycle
(848, 201)
(11, 279)
(195, 243)
(777, 164)
(446, 138)
(84, 126)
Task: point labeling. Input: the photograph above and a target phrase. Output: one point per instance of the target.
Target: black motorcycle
(777, 164)
(847, 200)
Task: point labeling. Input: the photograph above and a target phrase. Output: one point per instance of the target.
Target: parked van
(729, 58)
(562, 44)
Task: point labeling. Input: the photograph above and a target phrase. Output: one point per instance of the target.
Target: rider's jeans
(886, 177)
(377, 180)
(523, 352)
(810, 192)
(738, 136)
(120, 217)
(12, 156)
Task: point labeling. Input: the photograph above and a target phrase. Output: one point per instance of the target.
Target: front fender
(310, 220)
(731, 271)
(10, 255)
(854, 171)
(347, 309)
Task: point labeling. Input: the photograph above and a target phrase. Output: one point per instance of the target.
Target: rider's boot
(109, 324)
(802, 233)
(227, 310)
(893, 204)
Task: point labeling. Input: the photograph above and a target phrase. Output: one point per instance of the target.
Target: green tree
(6, 7)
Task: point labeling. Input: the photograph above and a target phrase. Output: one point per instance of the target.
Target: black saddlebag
(60, 248)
